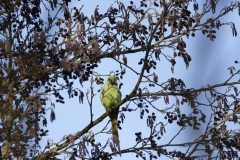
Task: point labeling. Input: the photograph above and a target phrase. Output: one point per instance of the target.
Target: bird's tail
(115, 134)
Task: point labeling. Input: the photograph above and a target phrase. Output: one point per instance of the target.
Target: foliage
(38, 62)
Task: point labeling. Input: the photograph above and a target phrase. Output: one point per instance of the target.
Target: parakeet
(110, 96)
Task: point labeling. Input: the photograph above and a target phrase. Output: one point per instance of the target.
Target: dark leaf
(52, 115)
(44, 122)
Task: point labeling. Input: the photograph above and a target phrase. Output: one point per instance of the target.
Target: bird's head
(112, 80)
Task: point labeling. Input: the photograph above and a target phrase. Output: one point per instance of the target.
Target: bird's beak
(113, 81)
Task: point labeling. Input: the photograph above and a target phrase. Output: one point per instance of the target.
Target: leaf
(231, 69)
(148, 123)
(52, 115)
(172, 69)
(213, 6)
(155, 77)
(178, 110)
(195, 6)
(239, 8)
(174, 54)
(149, 18)
(122, 116)
(96, 14)
(235, 90)
(44, 122)
(162, 128)
(234, 31)
(81, 81)
(195, 111)
(159, 151)
(95, 47)
(69, 92)
(187, 65)
(220, 104)
(177, 102)
(125, 59)
(52, 104)
(81, 96)
(166, 99)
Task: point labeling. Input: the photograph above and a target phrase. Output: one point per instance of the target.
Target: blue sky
(209, 64)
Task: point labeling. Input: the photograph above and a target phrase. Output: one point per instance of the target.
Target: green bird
(110, 96)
